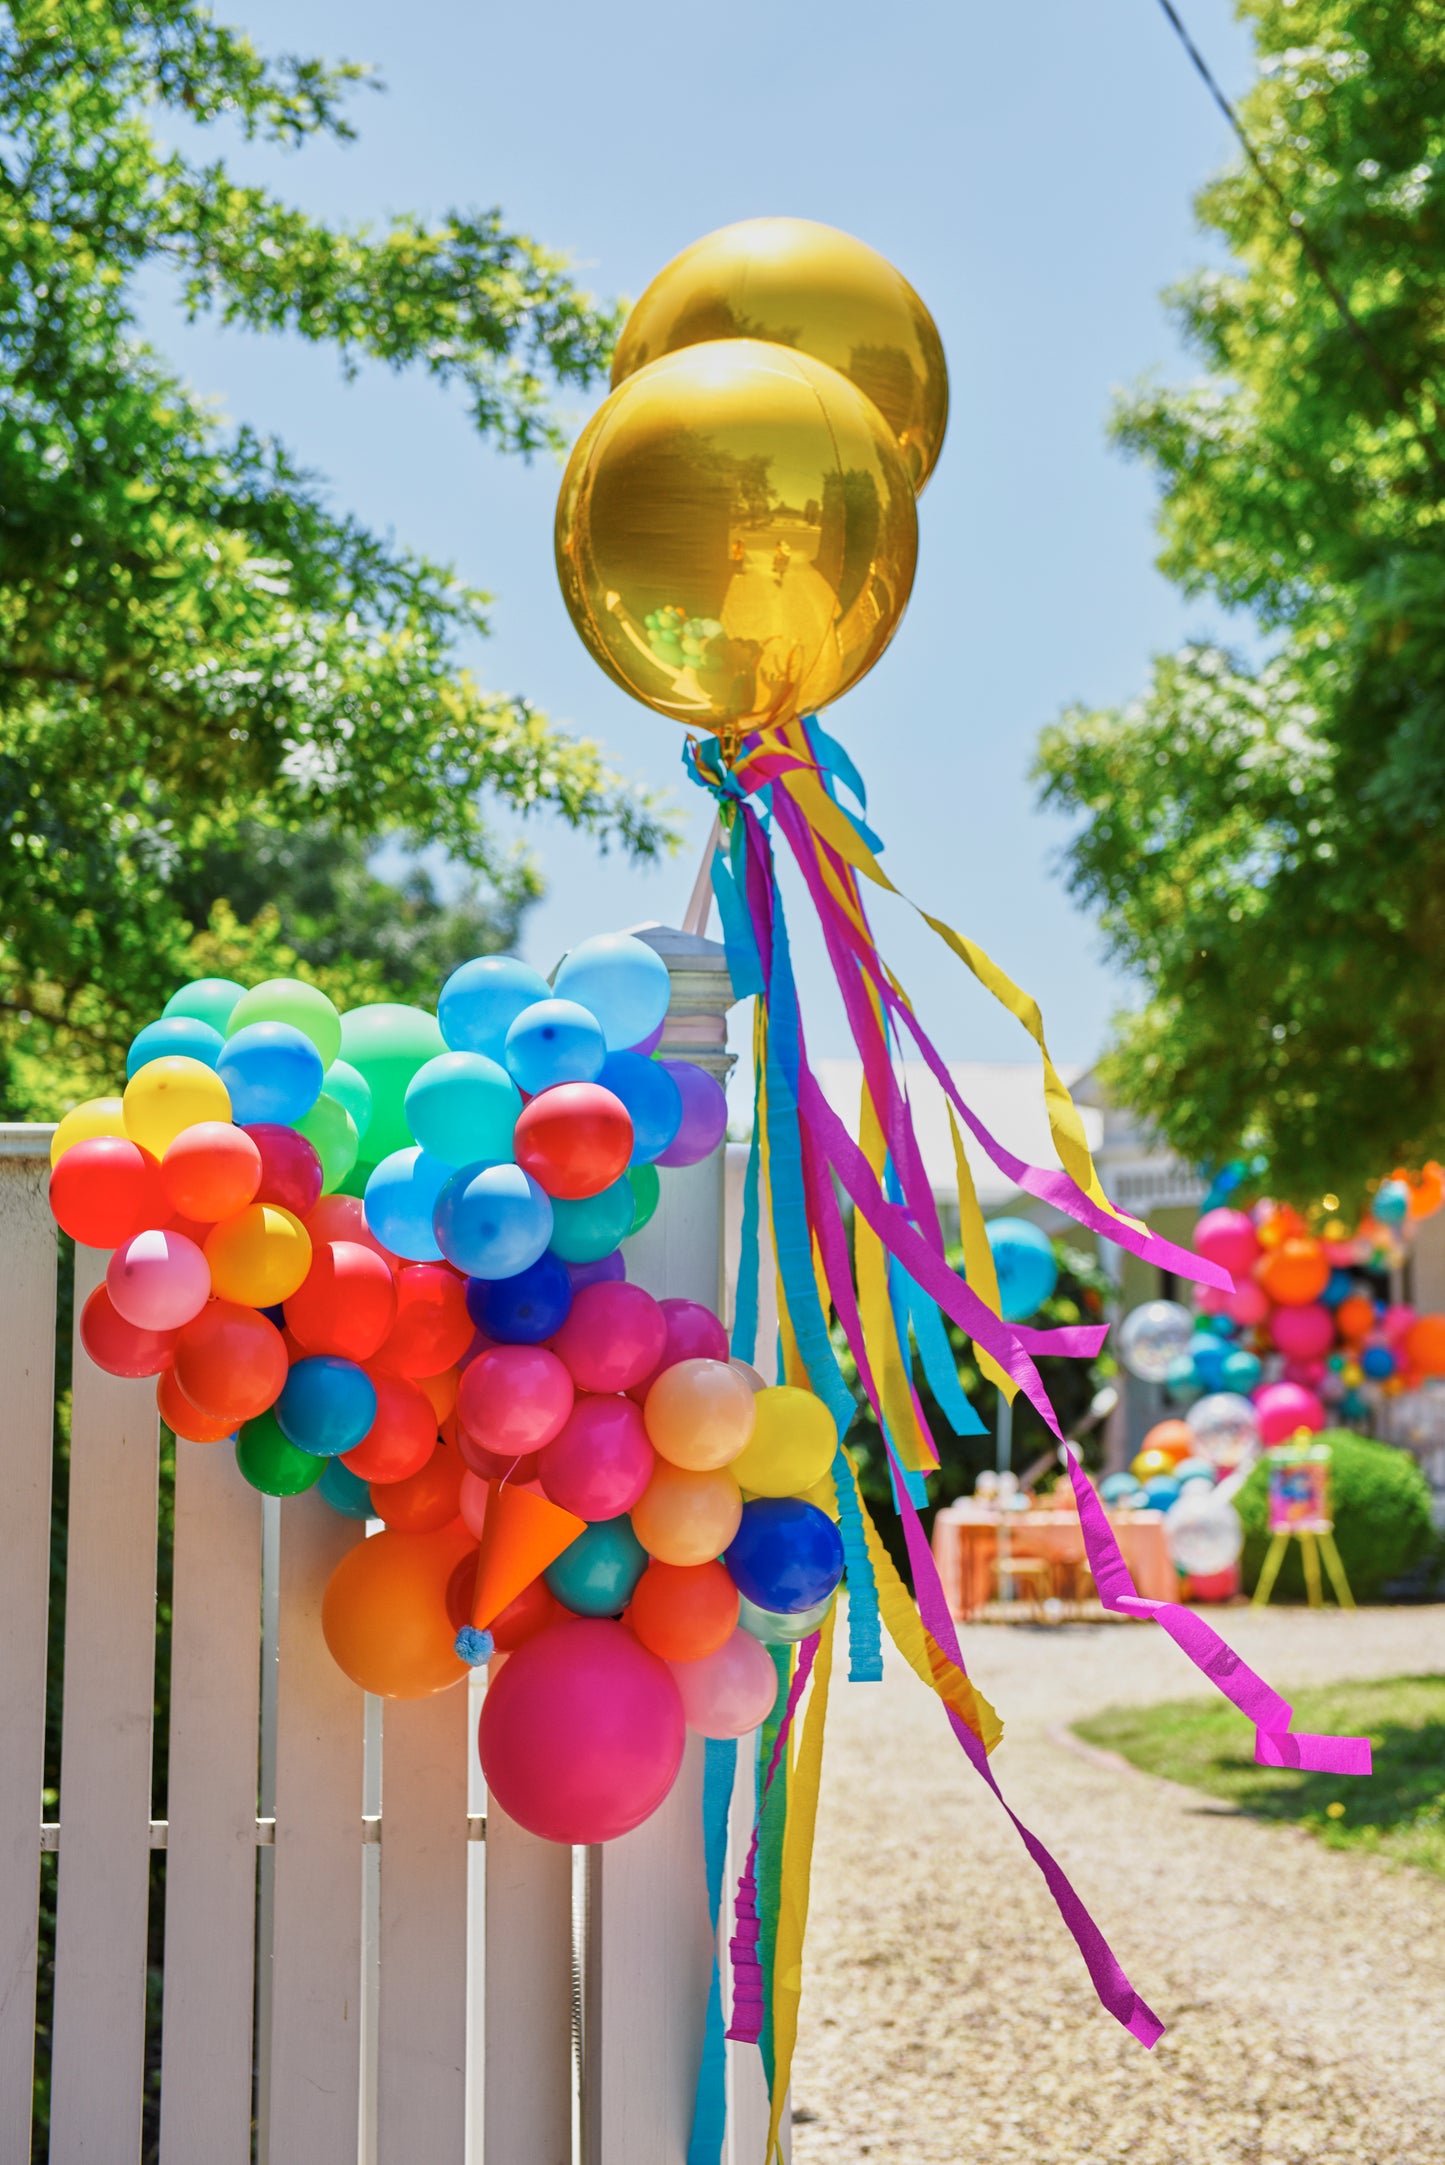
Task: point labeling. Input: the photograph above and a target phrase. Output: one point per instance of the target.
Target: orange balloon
(684, 1517)
(384, 1612)
(211, 1171)
(183, 1418)
(1355, 1317)
(402, 1437)
(1427, 1189)
(425, 1501)
(700, 1414)
(1425, 1345)
(442, 1391)
(1174, 1438)
(683, 1611)
(1298, 1270)
(230, 1361)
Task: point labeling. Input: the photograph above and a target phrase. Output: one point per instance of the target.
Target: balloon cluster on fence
(381, 1250)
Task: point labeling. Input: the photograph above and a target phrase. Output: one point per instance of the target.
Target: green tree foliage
(193, 645)
(1264, 841)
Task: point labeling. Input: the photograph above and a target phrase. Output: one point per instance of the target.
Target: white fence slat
(316, 2014)
(27, 1302)
(98, 2058)
(211, 1810)
(527, 1990)
(422, 2037)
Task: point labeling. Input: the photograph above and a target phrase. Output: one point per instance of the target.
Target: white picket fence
(365, 1963)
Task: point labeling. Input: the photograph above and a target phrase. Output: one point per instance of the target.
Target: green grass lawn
(1398, 1813)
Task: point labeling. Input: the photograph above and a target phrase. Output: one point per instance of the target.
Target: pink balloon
(601, 1462)
(291, 1176)
(158, 1281)
(1310, 1373)
(1211, 1300)
(582, 1732)
(1282, 1408)
(693, 1334)
(1248, 1304)
(1396, 1321)
(514, 1399)
(1303, 1332)
(730, 1691)
(613, 1337)
(749, 1374)
(1227, 1237)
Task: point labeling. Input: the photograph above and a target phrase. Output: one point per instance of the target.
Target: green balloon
(206, 999)
(584, 1232)
(646, 1188)
(273, 1464)
(386, 1044)
(355, 1181)
(331, 1132)
(342, 1082)
(289, 999)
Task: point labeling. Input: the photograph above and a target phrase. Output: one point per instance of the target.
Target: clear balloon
(775, 1628)
(1204, 1532)
(1153, 1337)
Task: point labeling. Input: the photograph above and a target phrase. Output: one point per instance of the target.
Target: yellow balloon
(169, 1094)
(819, 291)
(97, 1116)
(699, 1414)
(258, 1257)
(794, 1438)
(687, 1518)
(736, 535)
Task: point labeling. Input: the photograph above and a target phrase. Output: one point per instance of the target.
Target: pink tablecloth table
(965, 1544)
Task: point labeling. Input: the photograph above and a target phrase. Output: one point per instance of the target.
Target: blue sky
(1030, 169)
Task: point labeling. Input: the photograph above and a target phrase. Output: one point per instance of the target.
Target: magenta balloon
(158, 1281)
(704, 1114)
(1283, 1408)
(693, 1334)
(601, 1463)
(729, 1691)
(1303, 1333)
(582, 1732)
(514, 1399)
(613, 1336)
(291, 1175)
(1227, 1237)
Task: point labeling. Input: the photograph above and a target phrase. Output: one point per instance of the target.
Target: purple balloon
(704, 1114)
(607, 1271)
(650, 1043)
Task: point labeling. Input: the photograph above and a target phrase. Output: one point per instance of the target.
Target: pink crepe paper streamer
(746, 2026)
(1274, 1743)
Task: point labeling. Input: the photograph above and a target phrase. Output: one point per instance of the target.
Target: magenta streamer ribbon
(747, 2019)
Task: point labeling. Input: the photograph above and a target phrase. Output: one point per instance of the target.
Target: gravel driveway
(947, 2016)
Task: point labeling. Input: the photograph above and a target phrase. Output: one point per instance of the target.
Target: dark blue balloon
(652, 1098)
(786, 1555)
(326, 1405)
(524, 1310)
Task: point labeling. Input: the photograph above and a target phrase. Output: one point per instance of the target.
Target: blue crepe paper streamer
(710, 2102)
(745, 966)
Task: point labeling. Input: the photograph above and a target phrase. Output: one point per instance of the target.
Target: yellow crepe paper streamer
(875, 1310)
(793, 1892)
(979, 1267)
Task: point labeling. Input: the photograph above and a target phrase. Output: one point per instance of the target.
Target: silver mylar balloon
(1204, 1532)
(1224, 1426)
(778, 1630)
(1152, 1338)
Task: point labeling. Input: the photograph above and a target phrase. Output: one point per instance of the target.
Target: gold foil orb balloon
(736, 535)
(808, 286)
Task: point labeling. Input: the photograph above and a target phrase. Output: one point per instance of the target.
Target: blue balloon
(1224, 1326)
(524, 1310)
(1194, 1469)
(1240, 1371)
(345, 1491)
(492, 1221)
(1023, 1256)
(326, 1405)
(1209, 1355)
(652, 1098)
(482, 1000)
(462, 1107)
(586, 1231)
(185, 1034)
(620, 980)
(401, 1196)
(1162, 1492)
(1341, 1285)
(597, 1574)
(272, 1073)
(1392, 1202)
(786, 1555)
(1116, 1487)
(555, 1041)
(1377, 1362)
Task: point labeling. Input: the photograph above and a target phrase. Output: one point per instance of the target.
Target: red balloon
(346, 1304)
(574, 1139)
(614, 1335)
(343, 1217)
(186, 1420)
(121, 1348)
(402, 1437)
(291, 1174)
(104, 1189)
(693, 1334)
(211, 1171)
(476, 1457)
(230, 1361)
(532, 1610)
(514, 1399)
(432, 1329)
(426, 1500)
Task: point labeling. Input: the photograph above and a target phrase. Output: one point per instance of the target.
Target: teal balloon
(584, 1232)
(1023, 1256)
(462, 1108)
(1118, 1487)
(597, 1574)
(350, 1088)
(208, 999)
(184, 1034)
(344, 1490)
(1240, 1371)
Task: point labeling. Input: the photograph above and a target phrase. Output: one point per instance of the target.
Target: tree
(193, 646)
(1264, 840)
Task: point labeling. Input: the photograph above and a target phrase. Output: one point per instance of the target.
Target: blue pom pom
(473, 1647)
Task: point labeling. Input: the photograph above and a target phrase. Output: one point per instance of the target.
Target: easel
(1314, 1541)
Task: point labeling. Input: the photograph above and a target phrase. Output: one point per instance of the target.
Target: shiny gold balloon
(819, 291)
(736, 535)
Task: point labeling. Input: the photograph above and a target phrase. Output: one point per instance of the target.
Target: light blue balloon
(1161, 1492)
(1118, 1487)
(462, 1108)
(272, 1073)
(1023, 1256)
(652, 1098)
(184, 1034)
(584, 1232)
(554, 1041)
(345, 1491)
(401, 1195)
(492, 1221)
(1194, 1469)
(1392, 1202)
(1240, 1371)
(207, 999)
(350, 1089)
(1210, 1356)
(620, 980)
(482, 1000)
(597, 1575)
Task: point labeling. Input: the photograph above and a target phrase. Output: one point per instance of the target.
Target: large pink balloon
(1284, 1408)
(514, 1399)
(582, 1732)
(1227, 1237)
(602, 1462)
(613, 1337)
(1304, 1332)
(728, 1692)
(158, 1281)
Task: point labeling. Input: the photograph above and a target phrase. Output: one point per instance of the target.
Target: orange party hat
(521, 1534)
